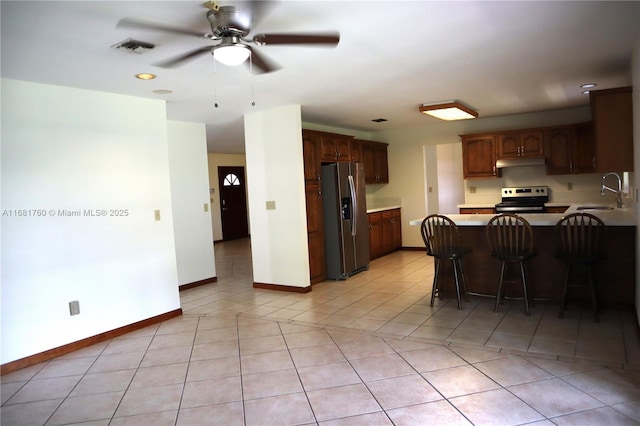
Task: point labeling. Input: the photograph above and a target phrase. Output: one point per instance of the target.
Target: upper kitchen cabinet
(479, 156)
(569, 149)
(356, 151)
(520, 144)
(584, 151)
(374, 156)
(335, 147)
(311, 156)
(611, 111)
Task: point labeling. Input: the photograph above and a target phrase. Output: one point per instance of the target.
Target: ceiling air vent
(134, 46)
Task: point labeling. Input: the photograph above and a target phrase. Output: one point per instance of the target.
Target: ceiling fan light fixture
(449, 110)
(145, 76)
(231, 55)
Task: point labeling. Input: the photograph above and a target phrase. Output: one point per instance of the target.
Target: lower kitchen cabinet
(315, 233)
(477, 210)
(385, 232)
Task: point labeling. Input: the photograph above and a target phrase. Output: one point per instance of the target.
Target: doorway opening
(233, 202)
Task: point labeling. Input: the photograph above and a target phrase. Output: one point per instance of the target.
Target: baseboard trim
(280, 287)
(197, 283)
(414, 248)
(12, 366)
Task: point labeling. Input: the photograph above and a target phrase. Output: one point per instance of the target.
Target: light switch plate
(271, 205)
(156, 214)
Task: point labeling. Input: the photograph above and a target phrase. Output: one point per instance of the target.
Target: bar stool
(580, 239)
(442, 240)
(510, 239)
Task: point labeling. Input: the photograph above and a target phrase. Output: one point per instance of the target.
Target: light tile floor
(366, 351)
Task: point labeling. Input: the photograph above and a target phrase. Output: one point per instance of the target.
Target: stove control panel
(529, 191)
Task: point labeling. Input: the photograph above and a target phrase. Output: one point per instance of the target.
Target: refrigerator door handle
(354, 204)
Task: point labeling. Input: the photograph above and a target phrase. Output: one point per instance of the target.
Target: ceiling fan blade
(179, 60)
(260, 61)
(319, 39)
(155, 26)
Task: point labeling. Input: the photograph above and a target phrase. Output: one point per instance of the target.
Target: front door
(233, 202)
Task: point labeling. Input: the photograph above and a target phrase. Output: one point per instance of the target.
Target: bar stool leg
(502, 271)
(464, 280)
(457, 281)
(523, 272)
(435, 280)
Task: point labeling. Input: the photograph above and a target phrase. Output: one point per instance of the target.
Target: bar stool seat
(442, 240)
(510, 239)
(580, 239)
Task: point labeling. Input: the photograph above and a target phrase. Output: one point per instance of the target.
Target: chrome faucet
(618, 191)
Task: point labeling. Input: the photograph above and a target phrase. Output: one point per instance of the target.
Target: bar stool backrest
(440, 235)
(509, 236)
(580, 237)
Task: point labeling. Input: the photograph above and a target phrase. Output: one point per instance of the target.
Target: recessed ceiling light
(145, 76)
(588, 85)
(162, 91)
(585, 92)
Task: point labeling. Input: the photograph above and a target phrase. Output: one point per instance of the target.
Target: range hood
(520, 162)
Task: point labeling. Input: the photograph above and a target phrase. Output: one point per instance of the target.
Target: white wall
(77, 150)
(450, 188)
(190, 201)
(406, 160)
(273, 141)
(215, 160)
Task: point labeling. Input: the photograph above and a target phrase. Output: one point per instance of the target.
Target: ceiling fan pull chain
(253, 98)
(215, 86)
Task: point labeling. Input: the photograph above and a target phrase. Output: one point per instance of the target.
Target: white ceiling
(498, 57)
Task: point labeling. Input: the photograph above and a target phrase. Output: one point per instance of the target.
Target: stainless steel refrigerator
(345, 219)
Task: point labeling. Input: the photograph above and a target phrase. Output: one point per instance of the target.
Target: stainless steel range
(528, 199)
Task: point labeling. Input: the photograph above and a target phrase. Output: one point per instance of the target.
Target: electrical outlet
(271, 205)
(472, 190)
(74, 307)
(156, 214)
(570, 186)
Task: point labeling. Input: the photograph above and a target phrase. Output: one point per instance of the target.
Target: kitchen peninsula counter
(615, 275)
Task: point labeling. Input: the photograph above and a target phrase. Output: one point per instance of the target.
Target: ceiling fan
(230, 27)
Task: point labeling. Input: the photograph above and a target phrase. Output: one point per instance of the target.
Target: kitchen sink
(594, 208)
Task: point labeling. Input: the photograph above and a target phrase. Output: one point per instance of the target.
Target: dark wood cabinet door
(356, 151)
(343, 149)
(584, 149)
(311, 156)
(559, 150)
(328, 149)
(315, 233)
(508, 145)
(478, 156)
(531, 144)
(375, 234)
(611, 110)
(375, 158)
(396, 230)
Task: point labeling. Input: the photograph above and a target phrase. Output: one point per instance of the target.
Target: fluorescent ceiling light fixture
(449, 110)
(145, 76)
(231, 55)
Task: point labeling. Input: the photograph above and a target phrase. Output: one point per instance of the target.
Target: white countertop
(613, 217)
